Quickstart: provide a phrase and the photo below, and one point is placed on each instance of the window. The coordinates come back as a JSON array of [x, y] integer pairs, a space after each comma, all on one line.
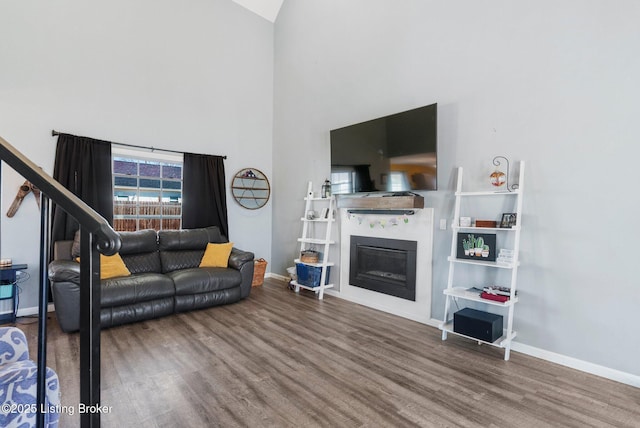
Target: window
[[342, 180], [147, 191]]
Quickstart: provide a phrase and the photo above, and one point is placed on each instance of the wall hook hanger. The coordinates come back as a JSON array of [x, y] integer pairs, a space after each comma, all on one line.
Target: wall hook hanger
[[23, 191]]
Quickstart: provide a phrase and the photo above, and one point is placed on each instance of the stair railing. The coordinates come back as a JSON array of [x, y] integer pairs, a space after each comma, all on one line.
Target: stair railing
[[96, 237]]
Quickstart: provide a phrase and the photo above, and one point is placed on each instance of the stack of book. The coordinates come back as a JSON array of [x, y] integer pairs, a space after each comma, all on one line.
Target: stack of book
[[494, 292], [505, 256]]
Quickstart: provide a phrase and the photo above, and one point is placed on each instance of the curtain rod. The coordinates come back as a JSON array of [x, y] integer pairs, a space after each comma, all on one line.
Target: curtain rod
[[55, 133]]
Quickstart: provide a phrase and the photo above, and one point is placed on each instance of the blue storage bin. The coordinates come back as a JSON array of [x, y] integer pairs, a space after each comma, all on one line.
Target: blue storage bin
[[6, 291], [310, 275]]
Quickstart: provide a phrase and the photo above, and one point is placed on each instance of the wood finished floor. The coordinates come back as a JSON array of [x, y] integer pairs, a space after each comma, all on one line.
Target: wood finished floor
[[278, 359]]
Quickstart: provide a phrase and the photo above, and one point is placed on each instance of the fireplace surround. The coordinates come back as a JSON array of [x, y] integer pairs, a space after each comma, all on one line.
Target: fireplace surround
[[417, 226]]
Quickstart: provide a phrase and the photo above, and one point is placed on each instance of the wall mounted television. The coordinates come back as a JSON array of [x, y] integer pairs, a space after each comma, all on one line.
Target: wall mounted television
[[395, 153]]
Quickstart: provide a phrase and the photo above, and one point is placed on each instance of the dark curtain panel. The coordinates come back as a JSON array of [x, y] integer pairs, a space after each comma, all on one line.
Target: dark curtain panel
[[82, 165], [204, 200]]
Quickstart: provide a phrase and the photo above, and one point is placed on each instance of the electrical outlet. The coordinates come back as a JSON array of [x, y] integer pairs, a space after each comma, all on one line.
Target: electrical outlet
[[443, 224]]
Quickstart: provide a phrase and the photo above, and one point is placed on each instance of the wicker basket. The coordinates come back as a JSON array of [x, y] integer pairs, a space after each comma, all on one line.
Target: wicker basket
[[309, 256], [259, 268]]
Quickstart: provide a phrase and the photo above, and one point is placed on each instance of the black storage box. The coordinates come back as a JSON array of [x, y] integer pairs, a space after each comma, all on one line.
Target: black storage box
[[478, 324]]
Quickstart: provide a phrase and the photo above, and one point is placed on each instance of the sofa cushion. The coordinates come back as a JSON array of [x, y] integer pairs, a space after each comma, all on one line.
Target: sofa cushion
[[139, 250], [183, 249], [124, 314], [62, 250], [203, 280], [191, 302], [178, 260], [75, 247], [140, 241], [135, 288], [189, 239]]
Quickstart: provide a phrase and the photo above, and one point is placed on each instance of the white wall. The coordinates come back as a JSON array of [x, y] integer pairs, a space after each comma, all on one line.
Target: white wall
[[551, 83], [195, 76]]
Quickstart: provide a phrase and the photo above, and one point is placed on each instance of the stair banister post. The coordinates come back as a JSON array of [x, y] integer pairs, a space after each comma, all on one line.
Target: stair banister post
[[42, 312], [89, 329]]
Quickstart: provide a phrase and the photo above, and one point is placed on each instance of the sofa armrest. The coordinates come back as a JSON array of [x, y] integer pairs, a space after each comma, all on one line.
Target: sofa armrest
[[19, 387], [243, 261], [64, 271], [13, 345], [238, 258]]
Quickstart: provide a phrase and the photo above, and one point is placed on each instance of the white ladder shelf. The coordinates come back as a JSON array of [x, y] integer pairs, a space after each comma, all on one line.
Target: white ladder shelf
[[456, 293], [309, 238]]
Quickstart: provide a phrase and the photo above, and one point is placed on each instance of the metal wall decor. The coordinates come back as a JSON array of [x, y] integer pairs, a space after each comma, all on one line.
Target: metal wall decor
[[499, 178], [250, 188], [23, 191]]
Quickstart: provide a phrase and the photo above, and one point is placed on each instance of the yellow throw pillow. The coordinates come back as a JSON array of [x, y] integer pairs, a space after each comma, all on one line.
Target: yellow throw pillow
[[112, 266], [216, 255]]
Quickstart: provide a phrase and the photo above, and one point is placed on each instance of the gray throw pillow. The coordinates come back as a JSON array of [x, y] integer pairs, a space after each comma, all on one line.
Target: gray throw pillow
[[75, 248]]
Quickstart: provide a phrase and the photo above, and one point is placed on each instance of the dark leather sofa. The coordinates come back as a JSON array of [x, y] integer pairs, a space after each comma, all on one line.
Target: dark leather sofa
[[165, 277]]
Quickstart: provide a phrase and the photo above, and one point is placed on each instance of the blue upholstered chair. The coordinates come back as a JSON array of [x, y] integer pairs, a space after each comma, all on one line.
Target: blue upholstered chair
[[18, 384]]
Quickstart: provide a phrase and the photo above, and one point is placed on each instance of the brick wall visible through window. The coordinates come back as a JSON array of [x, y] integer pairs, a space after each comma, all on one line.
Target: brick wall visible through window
[[147, 194]]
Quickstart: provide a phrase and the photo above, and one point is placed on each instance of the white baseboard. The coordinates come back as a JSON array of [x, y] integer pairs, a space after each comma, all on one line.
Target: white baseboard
[[277, 276], [574, 363], [25, 312]]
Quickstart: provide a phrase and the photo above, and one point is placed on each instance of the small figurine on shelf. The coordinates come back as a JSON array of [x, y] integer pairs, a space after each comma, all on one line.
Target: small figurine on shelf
[[326, 189], [498, 178]]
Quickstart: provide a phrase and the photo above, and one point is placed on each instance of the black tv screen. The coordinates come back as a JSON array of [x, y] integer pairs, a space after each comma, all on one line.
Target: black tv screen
[[395, 153]]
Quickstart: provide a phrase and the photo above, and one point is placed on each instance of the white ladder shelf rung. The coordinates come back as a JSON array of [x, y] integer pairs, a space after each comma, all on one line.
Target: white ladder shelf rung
[[315, 241]]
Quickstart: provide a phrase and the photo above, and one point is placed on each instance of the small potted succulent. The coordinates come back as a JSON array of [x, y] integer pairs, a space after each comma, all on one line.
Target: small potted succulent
[[485, 251], [466, 246], [479, 244]]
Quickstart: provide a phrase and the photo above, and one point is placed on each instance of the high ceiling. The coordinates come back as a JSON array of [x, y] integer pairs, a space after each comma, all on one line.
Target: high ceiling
[[268, 9]]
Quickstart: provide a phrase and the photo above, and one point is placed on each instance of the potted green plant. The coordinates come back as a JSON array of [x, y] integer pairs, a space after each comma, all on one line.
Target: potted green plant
[[485, 251], [478, 246]]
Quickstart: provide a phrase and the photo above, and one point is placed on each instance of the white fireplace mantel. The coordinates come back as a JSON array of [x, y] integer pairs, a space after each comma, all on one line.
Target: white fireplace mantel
[[416, 227]]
